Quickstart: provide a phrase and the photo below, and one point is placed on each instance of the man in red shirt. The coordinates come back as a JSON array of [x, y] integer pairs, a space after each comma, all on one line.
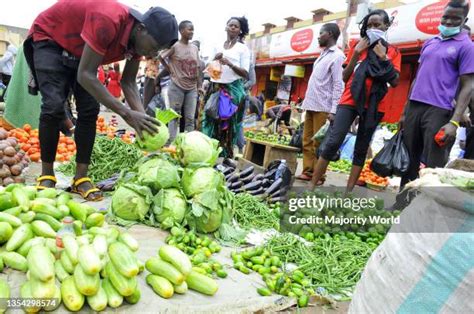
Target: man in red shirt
[[66, 45]]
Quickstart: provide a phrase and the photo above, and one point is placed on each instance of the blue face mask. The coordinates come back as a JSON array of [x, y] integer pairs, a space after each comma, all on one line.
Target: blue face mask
[[449, 31]]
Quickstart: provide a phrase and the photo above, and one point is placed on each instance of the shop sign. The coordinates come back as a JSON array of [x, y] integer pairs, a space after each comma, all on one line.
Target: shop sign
[[294, 70], [275, 74], [300, 41]]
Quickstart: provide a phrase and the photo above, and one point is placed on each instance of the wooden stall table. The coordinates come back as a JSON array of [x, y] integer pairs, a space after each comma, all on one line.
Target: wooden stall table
[[262, 153]]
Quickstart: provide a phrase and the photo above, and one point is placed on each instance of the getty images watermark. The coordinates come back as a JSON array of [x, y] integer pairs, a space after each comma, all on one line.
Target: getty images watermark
[[338, 211]]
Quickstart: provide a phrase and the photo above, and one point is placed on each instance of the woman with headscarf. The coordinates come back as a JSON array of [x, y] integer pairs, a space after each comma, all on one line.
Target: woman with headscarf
[[372, 64], [234, 56]]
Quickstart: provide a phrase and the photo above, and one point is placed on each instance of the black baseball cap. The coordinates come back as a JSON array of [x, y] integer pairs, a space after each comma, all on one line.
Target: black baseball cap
[[160, 24]]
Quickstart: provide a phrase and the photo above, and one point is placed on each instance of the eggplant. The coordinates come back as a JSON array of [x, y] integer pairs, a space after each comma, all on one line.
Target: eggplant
[[257, 192], [254, 185], [280, 192], [236, 184], [233, 178], [248, 179], [228, 171], [266, 183], [270, 174], [246, 172], [258, 177], [230, 162], [278, 199], [275, 185], [227, 176]]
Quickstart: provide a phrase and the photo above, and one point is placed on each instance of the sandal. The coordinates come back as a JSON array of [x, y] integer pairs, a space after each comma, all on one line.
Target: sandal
[[40, 187], [75, 189]]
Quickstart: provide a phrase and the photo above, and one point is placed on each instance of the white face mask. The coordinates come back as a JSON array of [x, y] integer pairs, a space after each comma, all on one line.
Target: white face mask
[[376, 34]]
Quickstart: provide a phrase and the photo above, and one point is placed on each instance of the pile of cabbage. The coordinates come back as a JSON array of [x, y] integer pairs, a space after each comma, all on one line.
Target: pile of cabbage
[[184, 190]]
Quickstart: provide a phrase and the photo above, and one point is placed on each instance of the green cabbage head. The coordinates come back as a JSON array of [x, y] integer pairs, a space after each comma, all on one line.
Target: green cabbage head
[[152, 143], [199, 180], [131, 202], [158, 173], [169, 207], [196, 148]]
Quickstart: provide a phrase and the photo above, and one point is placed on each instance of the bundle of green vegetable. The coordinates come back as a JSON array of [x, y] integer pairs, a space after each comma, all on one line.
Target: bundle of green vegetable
[[109, 156], [270, 138], [258, 259], [251, 212], [329, 262]]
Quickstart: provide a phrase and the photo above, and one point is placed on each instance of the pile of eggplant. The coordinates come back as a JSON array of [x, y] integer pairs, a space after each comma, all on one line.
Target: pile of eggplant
[[264, 186]]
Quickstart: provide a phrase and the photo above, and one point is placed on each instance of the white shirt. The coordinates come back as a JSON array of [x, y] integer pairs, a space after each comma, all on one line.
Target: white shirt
[[8, 60], [238, 55]]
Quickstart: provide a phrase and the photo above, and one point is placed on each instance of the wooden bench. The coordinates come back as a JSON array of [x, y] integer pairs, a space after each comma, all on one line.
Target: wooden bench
[[263, 153]]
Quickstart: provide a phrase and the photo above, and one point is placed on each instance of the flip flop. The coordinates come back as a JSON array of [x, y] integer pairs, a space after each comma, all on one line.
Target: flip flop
[[40, 187], [85, 195]]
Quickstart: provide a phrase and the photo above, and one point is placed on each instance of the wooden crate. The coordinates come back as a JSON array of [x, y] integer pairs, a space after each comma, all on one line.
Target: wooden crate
[[262, 153]]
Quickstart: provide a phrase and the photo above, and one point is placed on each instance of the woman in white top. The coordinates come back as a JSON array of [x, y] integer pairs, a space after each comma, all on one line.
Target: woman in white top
[[235, 59]]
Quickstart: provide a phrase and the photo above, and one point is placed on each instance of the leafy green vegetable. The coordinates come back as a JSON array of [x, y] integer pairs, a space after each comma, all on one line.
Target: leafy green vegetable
[[158, 173], [131, 202], [169, 207], [199, 180], [196, 148]]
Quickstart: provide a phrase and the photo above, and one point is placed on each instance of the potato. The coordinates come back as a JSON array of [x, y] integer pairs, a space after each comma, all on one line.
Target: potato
[[9, 151], [8, 181], [15, 170]]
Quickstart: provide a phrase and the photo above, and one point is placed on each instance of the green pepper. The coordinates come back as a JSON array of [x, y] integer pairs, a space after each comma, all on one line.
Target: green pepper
[[264, 270], [237, 258], [303, 301], [274, 269], [249, 264], [268, 262], [238, 265], [206, 241], [221, 273], [297, 291], [244, 270], [198, 258], [258, 260], [256, 267], [270, 284], [248, 254], [275, 260], [264, 292]]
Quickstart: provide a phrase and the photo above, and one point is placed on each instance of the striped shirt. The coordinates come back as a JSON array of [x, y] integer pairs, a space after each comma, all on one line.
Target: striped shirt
[[325, 85]]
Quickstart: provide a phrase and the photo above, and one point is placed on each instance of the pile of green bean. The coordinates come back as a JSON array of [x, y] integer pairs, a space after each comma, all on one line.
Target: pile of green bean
[[109, 156], [251, 212], [331, 263]]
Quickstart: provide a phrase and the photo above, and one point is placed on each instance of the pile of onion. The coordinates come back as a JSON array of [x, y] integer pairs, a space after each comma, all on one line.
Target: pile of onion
[[12, 160]]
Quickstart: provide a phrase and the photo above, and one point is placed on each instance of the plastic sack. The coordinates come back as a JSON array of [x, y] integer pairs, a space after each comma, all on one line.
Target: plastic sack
[[319, 136], [393, 159], [297, 138], [214, 69], [211, 108]]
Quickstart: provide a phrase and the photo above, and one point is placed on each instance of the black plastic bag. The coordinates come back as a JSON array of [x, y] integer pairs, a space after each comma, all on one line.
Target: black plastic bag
[[297, 138], [211, 108], [323, 144], [157, 102], [393, 159]]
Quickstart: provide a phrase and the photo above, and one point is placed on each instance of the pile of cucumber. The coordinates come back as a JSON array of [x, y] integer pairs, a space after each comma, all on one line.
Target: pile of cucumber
[[90, 263], [171, 272]]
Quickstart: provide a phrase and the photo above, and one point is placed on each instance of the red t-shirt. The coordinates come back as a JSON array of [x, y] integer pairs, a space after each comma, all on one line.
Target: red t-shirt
[[346, 99], [104, 25]]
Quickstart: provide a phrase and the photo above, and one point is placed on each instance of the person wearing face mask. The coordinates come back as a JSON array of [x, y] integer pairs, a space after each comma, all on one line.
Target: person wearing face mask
[[433, 112], [65, 46], [372, 64]]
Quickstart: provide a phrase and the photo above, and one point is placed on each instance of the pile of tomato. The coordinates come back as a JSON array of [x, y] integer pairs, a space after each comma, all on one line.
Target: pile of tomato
[[28, 139], [110, 129], [368, 176]]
